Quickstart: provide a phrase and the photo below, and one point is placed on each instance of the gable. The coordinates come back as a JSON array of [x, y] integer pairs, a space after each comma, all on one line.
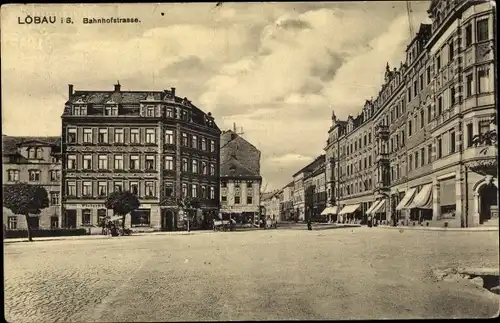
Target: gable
[[233, 168]]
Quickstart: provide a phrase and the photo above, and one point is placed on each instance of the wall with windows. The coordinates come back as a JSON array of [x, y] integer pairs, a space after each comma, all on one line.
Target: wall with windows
[[240, 195]]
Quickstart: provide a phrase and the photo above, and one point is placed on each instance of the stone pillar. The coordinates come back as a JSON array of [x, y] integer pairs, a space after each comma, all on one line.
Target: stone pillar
[[458, 198], [79, 219], [475, 210], [436, 205]]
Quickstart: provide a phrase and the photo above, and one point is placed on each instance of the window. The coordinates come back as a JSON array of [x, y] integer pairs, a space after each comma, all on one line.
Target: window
[[468, 35], [87, 135], [415, 88], [185, 139], [54, 222], [102, 137], [34, 175], [134, 162], [203, 144], [429, 114], [102, 188], [410, 162], [422, 118], [87, 188], [118, 186], [249, 184], [31, 153], [452, 142], [87, 161], [439, 148], [470, 135], [212, 146], [71, 187], [237, 200], [194, 142], [212, 192], [71, 135], [119, 136], [13, 175], [102, 162], [134, 136], [482, 30], [422, 156], [452, 95], [421, 81], [169, 163], [12, 222], [150, 188], [184, 164], [223, 184], [409, 128], [203, 191], [249, 199], [237, 184], [204, 168], [150, 111], [212, 169], [483, 81], [468, 84], [118, 162], [134, 188], [86, 217], [428, 74], [416, 160], [169, 137], [440, 105], [409, 94], [429, 154], [451, 51], [438, 62], [101, 215], [195, 166], [169, 190], [169, 113], [54, 198], [194, 190], [484, 127], [223, 198], [150, 136], [150, 162], [111, 110], [184, 189], [369, 137], [140, 218]]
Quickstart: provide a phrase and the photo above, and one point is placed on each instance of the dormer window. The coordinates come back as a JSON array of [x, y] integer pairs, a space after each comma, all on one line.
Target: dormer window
[[111, 110], [31, 153], [80, 110], [150, 111], [169, 113]]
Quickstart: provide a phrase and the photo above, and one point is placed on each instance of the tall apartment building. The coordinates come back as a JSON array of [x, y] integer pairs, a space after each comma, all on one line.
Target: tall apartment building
[[286, 202], [409, 155], [33, 160], [315, 193], [152, 143], [240, 178], [300, 181]]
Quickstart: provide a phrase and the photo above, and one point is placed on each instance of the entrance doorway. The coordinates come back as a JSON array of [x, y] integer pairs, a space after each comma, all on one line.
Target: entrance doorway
[[488, 209], [69, 219], [167, 220]]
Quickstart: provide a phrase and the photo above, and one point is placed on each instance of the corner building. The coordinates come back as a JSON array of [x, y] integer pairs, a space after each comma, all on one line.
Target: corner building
[[152, 143], [422, 167]]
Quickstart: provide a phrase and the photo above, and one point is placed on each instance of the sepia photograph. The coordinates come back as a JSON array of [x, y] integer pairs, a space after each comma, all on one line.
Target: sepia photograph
[[249, 161]]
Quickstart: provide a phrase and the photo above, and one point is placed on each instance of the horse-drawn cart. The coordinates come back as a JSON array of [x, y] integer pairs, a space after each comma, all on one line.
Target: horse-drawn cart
[[224, 225]]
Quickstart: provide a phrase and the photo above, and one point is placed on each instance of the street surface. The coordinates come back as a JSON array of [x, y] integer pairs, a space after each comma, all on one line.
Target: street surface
[[349, 273]]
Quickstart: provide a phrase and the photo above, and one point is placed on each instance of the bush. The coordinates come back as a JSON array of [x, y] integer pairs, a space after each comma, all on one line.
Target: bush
[[39, 233]]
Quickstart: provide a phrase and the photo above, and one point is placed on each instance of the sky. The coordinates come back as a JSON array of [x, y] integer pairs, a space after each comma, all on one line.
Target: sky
[[277, 70]]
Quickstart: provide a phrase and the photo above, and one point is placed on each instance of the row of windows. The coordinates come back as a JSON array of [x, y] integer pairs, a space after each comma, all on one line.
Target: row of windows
[[354, 188], [145, 111], [249, 184], [353, 168], [144, 189], [135, 162], [137, 136], [237, 199], [35, 153], [33, 175]]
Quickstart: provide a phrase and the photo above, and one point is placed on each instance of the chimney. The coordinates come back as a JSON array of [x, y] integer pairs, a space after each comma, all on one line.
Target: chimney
[[117, 86], [172, 90], [70, 90]]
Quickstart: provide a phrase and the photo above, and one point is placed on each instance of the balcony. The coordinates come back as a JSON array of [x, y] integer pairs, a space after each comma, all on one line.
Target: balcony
[[382, 131]]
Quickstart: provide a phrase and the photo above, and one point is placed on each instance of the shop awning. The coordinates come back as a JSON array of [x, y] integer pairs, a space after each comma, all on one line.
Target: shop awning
[[370, 209], [348, 209], [330, 210], [423, 200], [380, 208], [406, 199]]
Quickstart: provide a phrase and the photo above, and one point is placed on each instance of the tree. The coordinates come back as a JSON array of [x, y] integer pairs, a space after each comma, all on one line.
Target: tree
[[25, 199], [122, 203]]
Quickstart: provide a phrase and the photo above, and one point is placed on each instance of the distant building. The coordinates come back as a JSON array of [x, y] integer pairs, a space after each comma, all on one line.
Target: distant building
[[240, 179], [286, 208], [37, 161], [299, 180], [153, 143], [271, 203], [315, 193]]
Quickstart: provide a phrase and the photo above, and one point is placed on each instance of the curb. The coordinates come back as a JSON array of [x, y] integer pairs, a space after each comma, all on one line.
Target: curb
[[480, 229]]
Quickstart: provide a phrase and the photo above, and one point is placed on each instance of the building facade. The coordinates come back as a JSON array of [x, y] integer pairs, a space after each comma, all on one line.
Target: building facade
[[286, 207], [152, 143], [37, 161], [271, 204], [240, 178], [301, 180], [410, 157], [315, 193]]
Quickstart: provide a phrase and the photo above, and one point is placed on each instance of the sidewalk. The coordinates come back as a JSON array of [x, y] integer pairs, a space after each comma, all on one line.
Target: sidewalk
[[473, 229]]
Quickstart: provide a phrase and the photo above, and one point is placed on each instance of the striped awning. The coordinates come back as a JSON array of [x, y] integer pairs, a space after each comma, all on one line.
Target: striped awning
[[380, 208], [406, 199], [330, 210], [370, 209], [423, 200], [348, 209]]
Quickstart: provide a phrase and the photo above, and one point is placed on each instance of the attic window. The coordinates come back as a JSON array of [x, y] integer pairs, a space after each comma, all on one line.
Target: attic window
[[80, 110]]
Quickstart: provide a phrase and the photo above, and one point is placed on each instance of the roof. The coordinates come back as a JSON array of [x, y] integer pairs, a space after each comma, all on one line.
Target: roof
[[234, 136], [10, 144], [130, 97], [269, 195], [233, 168], [313, 165]]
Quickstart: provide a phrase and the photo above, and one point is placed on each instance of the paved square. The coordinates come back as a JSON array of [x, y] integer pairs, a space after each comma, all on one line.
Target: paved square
[[261, 275]]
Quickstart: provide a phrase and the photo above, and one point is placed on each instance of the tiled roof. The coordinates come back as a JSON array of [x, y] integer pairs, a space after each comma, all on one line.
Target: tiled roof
[[233, 168], [313, 165], [11, 143], [131, 97]]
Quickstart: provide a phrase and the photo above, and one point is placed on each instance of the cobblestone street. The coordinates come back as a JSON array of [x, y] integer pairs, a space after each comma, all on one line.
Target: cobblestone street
[[284, 274]]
